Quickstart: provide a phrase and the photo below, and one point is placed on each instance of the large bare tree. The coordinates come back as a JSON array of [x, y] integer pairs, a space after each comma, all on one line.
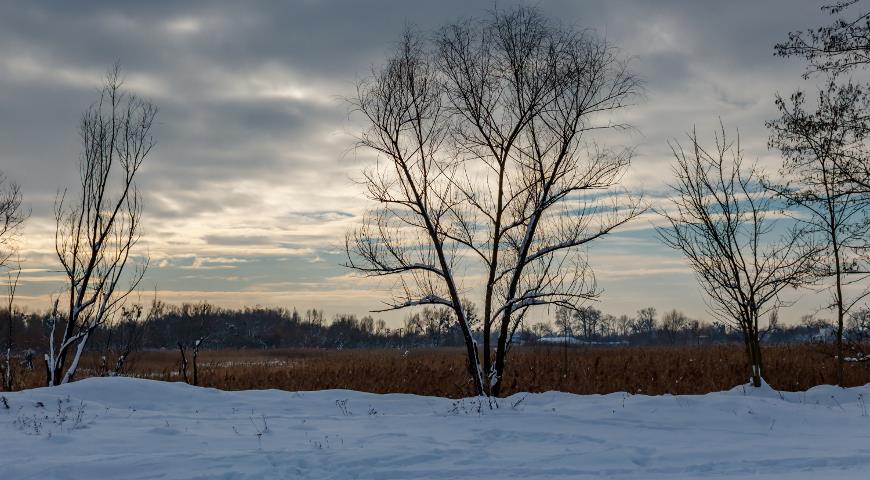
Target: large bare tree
[[719, 218], [98, 229], [488, 168], [813, 141]]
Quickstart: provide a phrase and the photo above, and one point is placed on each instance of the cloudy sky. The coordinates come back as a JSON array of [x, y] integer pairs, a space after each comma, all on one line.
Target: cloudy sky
[[250, 189]]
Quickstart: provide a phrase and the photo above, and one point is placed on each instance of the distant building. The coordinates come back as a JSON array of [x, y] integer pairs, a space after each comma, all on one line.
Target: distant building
[[559, 339], [569, 340]]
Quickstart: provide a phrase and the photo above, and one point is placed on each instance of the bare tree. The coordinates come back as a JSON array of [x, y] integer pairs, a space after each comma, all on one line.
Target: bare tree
[[859, 333], [719, 219], [542, 329], [588, 320], [826, 155], [489, 160], [98, 230], [125, 335], [12, 215], [645, 321], [564, 321], [623, 325], [813, 144], [198, 329], [13, 274], [673, 323]]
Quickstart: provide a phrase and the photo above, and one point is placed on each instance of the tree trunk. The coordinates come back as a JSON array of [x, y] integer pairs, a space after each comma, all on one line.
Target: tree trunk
[[749, 353], [183, 363], [500, 357], [195, 369], [7, 378], [755, 361], [74, 365], [473, 365], [840, 307], [119, 364], [753, 351]]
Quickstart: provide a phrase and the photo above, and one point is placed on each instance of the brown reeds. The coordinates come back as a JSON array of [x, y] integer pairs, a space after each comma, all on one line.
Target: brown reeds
[[441, 371]]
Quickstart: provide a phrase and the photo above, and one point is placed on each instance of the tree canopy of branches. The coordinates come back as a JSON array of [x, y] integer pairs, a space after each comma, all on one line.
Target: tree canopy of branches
[[487, 164], [645, 321], [12, 215], [98, 229], [719, 219], [835, 49]]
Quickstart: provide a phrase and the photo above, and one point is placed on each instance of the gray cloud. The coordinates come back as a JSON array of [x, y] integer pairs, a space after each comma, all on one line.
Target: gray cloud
[[236, 239], [254, 145]]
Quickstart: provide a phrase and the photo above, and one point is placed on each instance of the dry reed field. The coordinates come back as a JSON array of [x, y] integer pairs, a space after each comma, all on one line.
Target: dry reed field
[[441, 371]]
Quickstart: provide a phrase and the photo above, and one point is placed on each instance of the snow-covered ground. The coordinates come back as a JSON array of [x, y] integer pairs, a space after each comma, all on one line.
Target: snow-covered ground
[[113, 428]]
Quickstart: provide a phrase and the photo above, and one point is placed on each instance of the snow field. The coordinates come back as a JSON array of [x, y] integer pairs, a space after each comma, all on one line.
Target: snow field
[[113, 428]]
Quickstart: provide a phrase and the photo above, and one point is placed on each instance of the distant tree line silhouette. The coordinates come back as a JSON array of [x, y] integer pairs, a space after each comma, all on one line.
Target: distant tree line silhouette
[[164, 326]]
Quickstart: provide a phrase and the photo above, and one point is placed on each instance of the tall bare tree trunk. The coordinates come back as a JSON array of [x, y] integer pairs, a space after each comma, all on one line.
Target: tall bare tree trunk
[[838, 296]]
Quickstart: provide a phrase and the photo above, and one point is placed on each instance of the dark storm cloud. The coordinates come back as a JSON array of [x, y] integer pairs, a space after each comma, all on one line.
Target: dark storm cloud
[[253, 132]]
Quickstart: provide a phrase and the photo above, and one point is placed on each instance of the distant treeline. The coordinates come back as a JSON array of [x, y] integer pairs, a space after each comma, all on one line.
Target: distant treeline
[[206, 326]]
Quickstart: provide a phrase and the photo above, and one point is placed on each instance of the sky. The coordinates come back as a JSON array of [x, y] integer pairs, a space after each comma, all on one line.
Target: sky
[[250, 189]]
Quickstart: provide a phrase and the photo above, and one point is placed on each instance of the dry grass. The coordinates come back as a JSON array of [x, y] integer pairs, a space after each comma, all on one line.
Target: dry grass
[[651, 370]]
